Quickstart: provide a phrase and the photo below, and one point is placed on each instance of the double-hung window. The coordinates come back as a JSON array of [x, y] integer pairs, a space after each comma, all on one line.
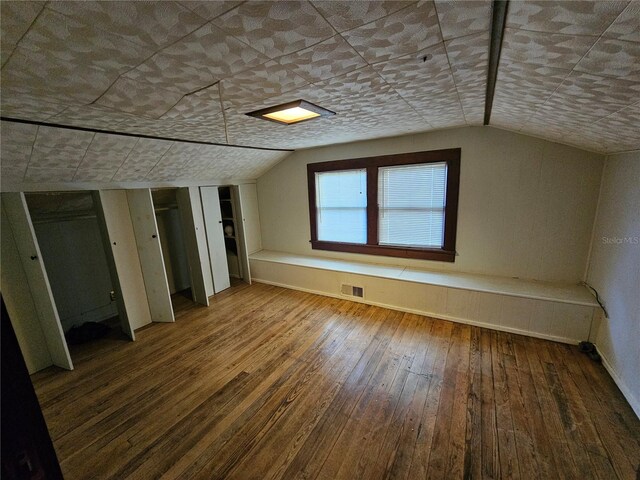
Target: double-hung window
[[401, 205]]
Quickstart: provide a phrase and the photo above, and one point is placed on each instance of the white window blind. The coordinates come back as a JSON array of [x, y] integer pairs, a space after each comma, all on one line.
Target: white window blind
[[341, 206], [411, 205]]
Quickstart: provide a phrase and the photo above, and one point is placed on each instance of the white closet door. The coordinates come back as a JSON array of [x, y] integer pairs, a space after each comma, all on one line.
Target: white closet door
[[243, 254], [122, 253], [17, 214], [248, 194], [20, 305], [215, 238], [195, 238], [150, 252]]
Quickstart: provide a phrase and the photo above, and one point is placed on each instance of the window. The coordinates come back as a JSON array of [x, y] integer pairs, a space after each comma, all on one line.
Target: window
[[411, 201], [395, 205], [341, 203]]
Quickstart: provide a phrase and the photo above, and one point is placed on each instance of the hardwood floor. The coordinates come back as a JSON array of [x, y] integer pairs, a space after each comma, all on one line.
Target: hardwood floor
[[275, 383]]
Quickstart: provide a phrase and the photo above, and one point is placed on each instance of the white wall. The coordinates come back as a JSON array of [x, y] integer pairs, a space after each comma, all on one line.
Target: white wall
[[526, 205], [76, 264], [614, 270]]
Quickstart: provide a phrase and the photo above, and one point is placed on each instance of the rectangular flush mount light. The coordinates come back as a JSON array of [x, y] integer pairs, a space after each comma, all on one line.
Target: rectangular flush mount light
[[292, 112]]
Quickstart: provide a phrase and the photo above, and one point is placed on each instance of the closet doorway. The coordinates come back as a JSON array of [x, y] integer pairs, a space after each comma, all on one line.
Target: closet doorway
[[173, 244], [73, 251], [225, 236]]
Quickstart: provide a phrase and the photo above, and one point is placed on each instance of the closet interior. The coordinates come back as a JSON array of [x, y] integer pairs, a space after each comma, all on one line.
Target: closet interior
[[228, 212], [172, 242], [72, 246]]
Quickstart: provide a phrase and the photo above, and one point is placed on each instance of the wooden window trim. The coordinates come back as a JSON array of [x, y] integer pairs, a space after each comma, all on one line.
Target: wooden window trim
[[372, 164]]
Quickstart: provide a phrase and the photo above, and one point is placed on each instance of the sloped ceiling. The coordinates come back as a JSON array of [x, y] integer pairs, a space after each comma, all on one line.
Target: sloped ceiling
[[190, 70]]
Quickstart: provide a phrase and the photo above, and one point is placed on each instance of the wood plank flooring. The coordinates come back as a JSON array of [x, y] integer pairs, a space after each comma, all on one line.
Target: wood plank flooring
[[272, 383]]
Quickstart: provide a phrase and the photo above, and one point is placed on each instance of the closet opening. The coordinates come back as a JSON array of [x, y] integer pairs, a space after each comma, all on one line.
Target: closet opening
[[173, 244], [225, 236], [73, 252], [228, 212]]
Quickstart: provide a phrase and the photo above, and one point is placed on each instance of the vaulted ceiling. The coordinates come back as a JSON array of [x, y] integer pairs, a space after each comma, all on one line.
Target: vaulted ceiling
[[568, 72]]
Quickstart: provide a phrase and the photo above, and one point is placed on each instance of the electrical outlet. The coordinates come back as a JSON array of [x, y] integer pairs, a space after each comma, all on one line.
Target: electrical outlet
[[112, 295]]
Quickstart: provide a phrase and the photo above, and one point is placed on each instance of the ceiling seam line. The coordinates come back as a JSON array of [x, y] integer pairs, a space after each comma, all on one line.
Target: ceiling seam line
[[127, 157], [224, 114], [498, 24], [276, 59], [325, 19], [217, 16], [413, 4], [368, 64], [33, 146], [24, 34], [161, 48], [124, 160], [446, 52], [83, 157], [126, 134]]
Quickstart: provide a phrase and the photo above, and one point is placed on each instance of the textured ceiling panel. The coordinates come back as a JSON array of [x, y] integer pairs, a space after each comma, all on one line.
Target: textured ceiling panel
[[145, 23], [173, 73], [276, 28], [48, 175], [619, 129], [436, 89], [16, 17], [568, 72], [83, 174], [51, 137], [612, 58], [406, 31], [79, 42], [32, 155], [208, 9], [347, 14], [91, 117], [249, 87], [571, 17], [53, 80], [198, 60], [107, 151], [540, 48], [625, 27], [60, 157], [20, 134], [324, 60], [139, 98], [201, 106], [469, 59], [28, 107], [463, 17]]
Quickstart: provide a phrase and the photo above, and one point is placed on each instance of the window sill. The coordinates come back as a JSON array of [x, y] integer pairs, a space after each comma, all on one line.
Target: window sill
[[386, 251]]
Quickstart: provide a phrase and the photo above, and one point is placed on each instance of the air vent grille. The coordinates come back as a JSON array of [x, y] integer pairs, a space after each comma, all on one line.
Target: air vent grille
[[352, 291]]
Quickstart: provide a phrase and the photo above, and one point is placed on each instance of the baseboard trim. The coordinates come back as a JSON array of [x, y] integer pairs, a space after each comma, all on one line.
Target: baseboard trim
[[424, 313], [634, 402]]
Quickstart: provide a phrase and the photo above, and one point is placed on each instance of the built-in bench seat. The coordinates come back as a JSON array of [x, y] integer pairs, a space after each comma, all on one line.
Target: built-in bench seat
[[560, 312]]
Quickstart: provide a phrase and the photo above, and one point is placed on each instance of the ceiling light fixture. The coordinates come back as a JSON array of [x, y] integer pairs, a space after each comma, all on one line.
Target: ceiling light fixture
[[292, 112]]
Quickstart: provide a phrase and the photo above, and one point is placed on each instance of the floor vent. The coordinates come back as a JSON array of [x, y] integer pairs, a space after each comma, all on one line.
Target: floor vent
[[352, 291]]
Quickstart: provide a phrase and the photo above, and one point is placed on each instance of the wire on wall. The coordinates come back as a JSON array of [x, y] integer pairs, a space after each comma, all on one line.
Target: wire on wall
[[595, 292]]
